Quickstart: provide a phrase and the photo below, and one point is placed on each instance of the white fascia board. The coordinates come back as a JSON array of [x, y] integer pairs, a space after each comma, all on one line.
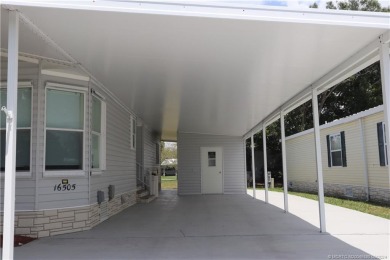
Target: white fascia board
[[240, 12], [64, 74], [21, 57], [340, 121]]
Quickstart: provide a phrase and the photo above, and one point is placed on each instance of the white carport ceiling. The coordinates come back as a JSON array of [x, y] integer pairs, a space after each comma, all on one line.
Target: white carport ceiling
[[195, 74]]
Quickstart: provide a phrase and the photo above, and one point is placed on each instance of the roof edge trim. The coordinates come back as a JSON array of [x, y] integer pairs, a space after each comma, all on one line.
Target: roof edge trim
[[309, 16]]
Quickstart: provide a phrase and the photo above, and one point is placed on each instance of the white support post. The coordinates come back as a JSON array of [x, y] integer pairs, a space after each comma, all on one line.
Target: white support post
[[10, 146], [265, 163], [320, 179], [253, 166], [285, 188], [385, 78]]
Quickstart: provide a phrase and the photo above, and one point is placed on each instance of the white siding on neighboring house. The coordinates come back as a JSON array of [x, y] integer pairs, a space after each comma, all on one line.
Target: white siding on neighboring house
[[189, 162]]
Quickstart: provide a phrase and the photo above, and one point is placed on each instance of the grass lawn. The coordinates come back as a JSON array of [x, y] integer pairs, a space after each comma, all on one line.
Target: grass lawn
[[169, 182], [366, 207]]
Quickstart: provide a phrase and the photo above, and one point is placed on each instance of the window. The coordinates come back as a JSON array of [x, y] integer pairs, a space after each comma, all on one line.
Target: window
[[23, 132], [98, 134], [212, 159], [336, 150], [133, 130], [382, 144], [64, 129]]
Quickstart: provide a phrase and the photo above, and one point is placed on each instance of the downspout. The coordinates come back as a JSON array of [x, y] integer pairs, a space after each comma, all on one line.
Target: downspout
[[364, 157]]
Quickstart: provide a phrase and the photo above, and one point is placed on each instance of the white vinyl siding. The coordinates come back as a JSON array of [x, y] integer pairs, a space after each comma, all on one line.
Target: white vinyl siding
[[189, 168]]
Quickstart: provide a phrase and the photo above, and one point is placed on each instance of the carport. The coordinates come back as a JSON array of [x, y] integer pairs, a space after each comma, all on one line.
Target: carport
[[216, 69]]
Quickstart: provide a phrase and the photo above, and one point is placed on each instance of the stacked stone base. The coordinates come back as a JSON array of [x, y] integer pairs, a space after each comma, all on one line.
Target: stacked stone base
[[378, 195], [61, 221]]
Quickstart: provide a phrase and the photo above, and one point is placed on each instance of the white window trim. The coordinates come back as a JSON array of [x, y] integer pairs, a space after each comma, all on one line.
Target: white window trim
[[64, 173], [385, 144], [102, 135], [133, 133], [335, 150], [23, 84]]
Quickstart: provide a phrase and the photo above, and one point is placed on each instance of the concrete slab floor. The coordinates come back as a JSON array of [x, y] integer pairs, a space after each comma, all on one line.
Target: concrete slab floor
[[196, 227]]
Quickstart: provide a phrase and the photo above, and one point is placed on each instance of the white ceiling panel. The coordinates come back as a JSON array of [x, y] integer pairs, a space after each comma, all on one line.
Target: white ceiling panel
[[196, 74]]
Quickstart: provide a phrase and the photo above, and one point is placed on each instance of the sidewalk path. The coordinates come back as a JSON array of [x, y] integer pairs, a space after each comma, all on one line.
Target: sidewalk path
[[364, 231]]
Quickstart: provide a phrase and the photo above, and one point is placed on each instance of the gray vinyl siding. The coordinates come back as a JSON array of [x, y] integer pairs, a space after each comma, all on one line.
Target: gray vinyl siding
[[139, 145], [120, 158], [150, 140], [47, 197], [24, 187], [189, 164]]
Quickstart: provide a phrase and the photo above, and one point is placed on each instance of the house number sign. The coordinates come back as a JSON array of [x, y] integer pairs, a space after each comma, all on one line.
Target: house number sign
[[64, 186]]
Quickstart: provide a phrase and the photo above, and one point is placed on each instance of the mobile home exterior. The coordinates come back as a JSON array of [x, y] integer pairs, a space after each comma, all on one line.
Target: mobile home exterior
[[128, 74], [362, 173]]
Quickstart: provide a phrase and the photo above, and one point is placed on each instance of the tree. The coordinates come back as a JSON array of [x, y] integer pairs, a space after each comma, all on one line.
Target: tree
[[168, 151], [357, 93]]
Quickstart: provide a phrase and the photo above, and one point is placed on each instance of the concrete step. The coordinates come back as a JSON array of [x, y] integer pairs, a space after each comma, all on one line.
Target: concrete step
[[142, 193], [146, 199]]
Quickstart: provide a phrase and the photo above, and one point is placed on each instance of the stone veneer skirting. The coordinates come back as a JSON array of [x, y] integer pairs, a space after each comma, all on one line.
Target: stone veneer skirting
[[45, 223], [380, 195]]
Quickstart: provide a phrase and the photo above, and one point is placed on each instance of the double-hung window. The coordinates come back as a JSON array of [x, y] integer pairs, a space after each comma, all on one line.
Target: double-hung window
[[98, 134], [382, 144], [64, 137], [23, 132], [336, 150]]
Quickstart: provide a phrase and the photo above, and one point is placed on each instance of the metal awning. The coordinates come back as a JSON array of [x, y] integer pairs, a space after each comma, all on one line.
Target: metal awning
[[195, 67]]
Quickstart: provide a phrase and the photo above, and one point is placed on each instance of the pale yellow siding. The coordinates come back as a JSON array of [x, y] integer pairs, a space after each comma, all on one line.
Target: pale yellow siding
[[353, 174], [301, 165], [378, 175]]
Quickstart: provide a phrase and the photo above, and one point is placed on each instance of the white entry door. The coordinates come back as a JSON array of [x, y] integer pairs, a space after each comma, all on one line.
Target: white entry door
[[211, 167]]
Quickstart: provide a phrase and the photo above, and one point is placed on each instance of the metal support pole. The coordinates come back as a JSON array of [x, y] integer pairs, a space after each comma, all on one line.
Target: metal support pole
[[320, 179], [265, 163], [10, 145], [385, 78], [285, 188], [253, 167]]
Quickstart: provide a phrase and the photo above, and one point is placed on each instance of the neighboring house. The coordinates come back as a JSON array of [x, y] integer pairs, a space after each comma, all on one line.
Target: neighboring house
[[354, 158]]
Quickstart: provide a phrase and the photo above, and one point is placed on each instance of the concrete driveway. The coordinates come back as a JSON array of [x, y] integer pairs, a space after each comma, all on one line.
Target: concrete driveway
[[196, 227]]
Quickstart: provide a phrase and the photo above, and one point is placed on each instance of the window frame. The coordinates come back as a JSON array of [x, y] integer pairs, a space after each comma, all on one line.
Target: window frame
[[384, 149], [133, 132], [68, 88], [23, 84], [102, 135], [335, 150], [385, 144]]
